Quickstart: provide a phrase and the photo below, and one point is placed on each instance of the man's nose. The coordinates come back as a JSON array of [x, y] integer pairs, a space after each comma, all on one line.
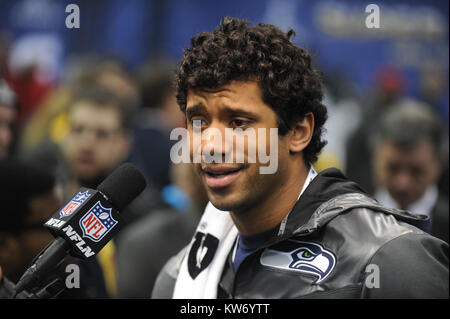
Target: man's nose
[[403, 181], [214, 141]]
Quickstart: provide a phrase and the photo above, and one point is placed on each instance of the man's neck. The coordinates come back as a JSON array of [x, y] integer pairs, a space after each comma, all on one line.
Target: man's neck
[[274, 208]]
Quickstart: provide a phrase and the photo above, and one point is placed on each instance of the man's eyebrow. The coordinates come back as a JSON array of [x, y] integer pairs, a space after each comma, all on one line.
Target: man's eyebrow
[[200, 108], [239, 112], [195, 109]]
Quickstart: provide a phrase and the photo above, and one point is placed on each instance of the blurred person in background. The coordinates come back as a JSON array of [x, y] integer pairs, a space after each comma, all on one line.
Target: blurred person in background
[[98, 139], [8, 113], [31, 71], [46, 129], [433, 89], [159, 105], [144, 247], [408, 161], [344, 115], [29, 195], [111, 74], [389, 87], [155, 119]]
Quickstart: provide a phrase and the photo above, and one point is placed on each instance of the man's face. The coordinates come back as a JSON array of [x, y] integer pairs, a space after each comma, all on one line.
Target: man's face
[[235, 186], [406, 172], [7, 117], [96, 143]]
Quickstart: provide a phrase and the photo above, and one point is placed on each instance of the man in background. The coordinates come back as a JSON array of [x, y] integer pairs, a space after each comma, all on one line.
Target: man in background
[[154, 121], [29, 195], [98, 141], [408, 162]]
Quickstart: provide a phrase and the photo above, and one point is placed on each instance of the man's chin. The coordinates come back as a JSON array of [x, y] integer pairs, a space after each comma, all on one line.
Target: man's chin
[[222, 206], [227, 202], [403, 202]]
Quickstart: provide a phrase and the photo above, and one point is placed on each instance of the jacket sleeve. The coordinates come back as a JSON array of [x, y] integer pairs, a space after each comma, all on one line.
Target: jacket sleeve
[[410, 266], [7, 288], [167, 277]]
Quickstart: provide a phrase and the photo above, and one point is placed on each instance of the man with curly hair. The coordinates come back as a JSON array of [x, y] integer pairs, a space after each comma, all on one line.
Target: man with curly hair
[[292, 233]]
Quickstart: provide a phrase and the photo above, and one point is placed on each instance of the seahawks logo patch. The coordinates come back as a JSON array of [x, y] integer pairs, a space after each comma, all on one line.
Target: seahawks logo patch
[[300, 256]]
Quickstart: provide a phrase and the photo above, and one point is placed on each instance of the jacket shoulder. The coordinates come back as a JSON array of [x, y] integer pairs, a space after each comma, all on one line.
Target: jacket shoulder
[[359, 235], [412, 265], [165, 282]]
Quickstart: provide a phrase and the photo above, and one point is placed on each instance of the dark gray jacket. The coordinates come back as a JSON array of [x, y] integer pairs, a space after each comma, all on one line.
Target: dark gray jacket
[[337, 243]]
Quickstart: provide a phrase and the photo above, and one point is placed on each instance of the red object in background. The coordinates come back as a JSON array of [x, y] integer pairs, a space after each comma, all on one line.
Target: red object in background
[[390, 79], [30, 92]]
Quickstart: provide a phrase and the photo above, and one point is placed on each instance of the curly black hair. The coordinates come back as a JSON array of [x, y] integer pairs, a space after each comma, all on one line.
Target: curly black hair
[[237, 51]]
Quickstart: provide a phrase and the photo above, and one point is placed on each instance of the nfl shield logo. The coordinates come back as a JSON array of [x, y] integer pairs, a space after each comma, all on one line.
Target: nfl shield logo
[[73, 204], [97, 222]]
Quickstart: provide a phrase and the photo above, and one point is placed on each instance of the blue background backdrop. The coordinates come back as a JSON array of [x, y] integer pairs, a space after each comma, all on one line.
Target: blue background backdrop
[[413, 34]]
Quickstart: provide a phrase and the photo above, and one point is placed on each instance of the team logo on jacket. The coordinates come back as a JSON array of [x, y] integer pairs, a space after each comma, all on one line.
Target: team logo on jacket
[[300, 256], [97, 222], [73, 204]]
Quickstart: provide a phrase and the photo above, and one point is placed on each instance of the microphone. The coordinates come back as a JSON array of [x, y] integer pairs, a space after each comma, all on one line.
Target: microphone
[[86, 223]]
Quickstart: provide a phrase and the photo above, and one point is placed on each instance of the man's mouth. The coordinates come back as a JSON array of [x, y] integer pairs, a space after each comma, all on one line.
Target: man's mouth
[[220, 176], [85, 160]]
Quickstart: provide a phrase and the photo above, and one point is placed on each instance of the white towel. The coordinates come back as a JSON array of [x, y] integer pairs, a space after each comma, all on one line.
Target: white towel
[[214, 223]]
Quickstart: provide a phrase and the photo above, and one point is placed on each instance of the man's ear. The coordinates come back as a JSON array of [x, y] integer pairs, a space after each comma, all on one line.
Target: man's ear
[[301, 133]]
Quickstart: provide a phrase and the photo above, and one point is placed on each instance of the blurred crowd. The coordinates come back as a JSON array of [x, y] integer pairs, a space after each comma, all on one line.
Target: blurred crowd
[[75, 133], [58, 137]]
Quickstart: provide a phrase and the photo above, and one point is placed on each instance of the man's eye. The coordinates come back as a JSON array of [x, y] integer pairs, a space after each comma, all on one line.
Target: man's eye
[[239, 123], [393, 169], [102, 134], [76, 129], [417, 172], [198, 123]]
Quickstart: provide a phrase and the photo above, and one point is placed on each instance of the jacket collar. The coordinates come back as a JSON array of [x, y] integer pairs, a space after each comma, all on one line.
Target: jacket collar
[[328, 195]]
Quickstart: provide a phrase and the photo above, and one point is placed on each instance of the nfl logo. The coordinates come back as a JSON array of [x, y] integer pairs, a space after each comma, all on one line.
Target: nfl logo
[[97, 222], [73, 204]]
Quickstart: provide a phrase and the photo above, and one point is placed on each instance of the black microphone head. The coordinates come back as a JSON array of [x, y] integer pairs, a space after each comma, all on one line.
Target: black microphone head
[[123, 185]]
